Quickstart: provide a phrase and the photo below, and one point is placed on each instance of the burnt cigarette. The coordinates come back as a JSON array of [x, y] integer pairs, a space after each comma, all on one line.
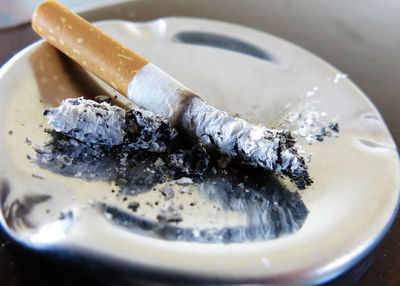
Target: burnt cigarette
[[101, 123], [154, 90]]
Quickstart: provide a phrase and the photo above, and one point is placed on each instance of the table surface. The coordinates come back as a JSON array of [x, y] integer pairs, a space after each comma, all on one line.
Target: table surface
[[379, 78]]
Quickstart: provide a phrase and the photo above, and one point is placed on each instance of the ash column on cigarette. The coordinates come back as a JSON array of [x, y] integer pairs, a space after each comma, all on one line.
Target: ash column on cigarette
[[273, 150], [101, 123], [255, 145]]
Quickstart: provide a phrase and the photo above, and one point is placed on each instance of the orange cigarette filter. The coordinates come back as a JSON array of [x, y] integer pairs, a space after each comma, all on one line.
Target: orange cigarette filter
[[87, 45]]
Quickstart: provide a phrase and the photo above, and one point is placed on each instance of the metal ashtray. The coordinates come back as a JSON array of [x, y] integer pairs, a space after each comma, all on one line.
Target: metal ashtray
[[231, 228]]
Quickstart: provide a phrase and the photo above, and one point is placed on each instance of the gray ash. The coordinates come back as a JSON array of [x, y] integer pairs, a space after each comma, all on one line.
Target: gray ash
[[132, 170], [286, 161], [324, 132], [184, 181], [167, 192], [27, 141], [169, 214], [147, 131], [256, 145], [70, 157], [88, 121], [193, 161], [101, 123], [334, 126], [308, 123], [133, 206]]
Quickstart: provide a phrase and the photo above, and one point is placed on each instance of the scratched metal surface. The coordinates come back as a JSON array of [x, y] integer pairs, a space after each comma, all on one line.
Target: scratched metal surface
[[356, 173]]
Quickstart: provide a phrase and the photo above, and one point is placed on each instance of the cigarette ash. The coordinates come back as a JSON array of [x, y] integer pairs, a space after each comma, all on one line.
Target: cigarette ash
[[310, 125], [255, 145], [175, 161], [133, 171], [273, 150], [167, 192], [147, 131], [308, 122], [133, 206], [101, 123], [169, 214], [88, 121]]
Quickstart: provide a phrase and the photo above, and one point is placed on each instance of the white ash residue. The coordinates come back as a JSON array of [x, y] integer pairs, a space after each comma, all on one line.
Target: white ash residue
[[169, 214], [186, 191], [101, 123], [312, 92], [184, 181], [310, 125], [37, 175], [308, 122], [88, 121], [167, 192], [159, 162], [252, 144], [28, 141], [339, 77]]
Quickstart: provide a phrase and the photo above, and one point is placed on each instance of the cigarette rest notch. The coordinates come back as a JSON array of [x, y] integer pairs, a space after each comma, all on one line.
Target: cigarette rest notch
[[222, 42]]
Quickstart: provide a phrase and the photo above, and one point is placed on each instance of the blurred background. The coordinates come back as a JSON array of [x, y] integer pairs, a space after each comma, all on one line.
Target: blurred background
[[15, 12]]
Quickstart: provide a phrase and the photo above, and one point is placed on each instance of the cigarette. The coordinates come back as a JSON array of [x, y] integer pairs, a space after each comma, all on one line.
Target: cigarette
[[153, 89]]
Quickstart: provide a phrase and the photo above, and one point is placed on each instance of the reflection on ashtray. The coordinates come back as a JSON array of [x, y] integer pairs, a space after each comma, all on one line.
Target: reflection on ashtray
[[270, 209]]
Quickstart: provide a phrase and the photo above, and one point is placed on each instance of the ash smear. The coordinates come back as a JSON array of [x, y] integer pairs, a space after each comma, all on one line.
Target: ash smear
[[270, 208]]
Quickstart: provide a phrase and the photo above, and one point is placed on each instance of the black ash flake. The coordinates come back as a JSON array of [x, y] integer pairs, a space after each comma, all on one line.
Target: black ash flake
[[133, 206]]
